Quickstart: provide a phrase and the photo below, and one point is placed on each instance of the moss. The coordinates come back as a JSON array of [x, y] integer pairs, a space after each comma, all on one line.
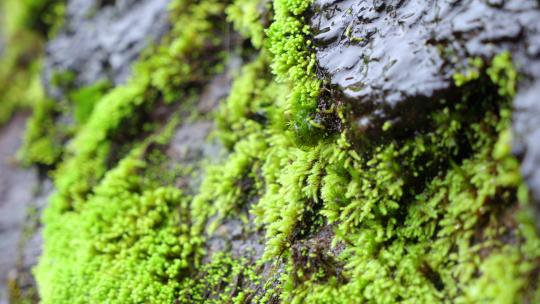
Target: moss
[[131, 243], [91, 245], [64, 79], [42, 143], [421, 219], [85, 99], [46, 131], [166, 73], [246, 16], [294, 64], [43, 16], [19, 74], [433, 217], [23, 30], [218, 280], [472, 73], [503, 73]]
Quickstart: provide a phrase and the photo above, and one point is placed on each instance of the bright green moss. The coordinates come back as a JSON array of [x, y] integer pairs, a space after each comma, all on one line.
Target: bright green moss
[[420, 219], [246, 17], [42, 143], [294, 64], [472, 73], [216, 281], [129, 243], [164, 73], [503, 73], [436, 248], [112, 233], [430, 218], [24, 25], [85, 99], [45, 133]]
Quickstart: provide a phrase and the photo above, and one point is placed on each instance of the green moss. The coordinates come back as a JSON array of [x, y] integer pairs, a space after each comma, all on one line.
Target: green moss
[[42, 143], [43, 16], [127, 244], [85, 99], [45, 133], [166, 73], [503, 73], [24, 26], [216, 281], [472, 73], [420, 219], [94, 251], [247, 19], [294, 64], [64, 79], [440, 216], [19, 74]]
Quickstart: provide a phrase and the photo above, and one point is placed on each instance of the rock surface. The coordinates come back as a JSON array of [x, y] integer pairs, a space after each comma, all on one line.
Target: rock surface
[[102, 38], [16, 196]]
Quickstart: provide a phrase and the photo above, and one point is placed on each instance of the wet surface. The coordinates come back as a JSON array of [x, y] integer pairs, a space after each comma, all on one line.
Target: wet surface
[[394, 60], [101, 39]]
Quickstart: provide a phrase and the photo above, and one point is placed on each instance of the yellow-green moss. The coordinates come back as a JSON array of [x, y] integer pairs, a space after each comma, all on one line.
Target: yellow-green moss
[[294, 64], [24, 27], [441, 216], [421, 220], [128, 243]]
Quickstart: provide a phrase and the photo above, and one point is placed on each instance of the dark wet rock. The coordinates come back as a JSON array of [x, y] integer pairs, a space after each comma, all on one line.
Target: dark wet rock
[[101, 39], [394, 60]]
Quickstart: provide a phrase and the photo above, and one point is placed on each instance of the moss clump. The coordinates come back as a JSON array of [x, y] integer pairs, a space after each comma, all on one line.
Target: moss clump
[[43, 16], [246, 16], [152, 246], [294, 64], [167, 74], [24, 29], [129, 243], [85, 99], [42, 142], [49, 127]]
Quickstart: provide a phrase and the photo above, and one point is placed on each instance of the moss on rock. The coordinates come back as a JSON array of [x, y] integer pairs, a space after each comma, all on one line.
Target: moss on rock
[[436, 215]]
